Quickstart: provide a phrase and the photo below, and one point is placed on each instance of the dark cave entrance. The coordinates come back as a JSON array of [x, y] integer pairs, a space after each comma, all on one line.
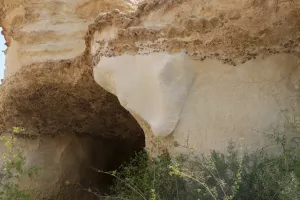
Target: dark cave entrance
[[112, 141], [107, 154], [60, 102]]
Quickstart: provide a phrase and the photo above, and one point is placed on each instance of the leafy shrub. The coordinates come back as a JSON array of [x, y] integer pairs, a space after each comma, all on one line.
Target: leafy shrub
[[272, 177], [234, 175], [13, 170], [146, 178]]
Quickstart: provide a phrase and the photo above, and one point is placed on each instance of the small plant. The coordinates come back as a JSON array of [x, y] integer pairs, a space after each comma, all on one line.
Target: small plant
[[17, 130], [234, 175], [13, 170], [147, 178], [215, 176]]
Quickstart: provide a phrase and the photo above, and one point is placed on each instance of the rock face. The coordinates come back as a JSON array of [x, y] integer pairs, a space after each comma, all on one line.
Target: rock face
[[198, 73], [202, 71], [207, 102], [72, 159], [40, 30], [154, 86], [70, 122]]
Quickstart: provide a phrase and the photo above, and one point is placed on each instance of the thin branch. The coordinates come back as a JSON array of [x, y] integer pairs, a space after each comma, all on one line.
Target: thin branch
[[215, 179], [127, 184], [203, 184], [100, 196]]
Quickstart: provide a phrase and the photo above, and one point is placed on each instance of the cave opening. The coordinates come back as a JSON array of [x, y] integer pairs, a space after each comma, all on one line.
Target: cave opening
[[106, 155], [108, 141], [71, 124]]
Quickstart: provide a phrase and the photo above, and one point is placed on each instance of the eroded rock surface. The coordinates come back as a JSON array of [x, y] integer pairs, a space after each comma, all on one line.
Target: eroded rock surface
[[41, 30], [70, 122], [68, 164], [192, 72], [242, 58], [153, 86]]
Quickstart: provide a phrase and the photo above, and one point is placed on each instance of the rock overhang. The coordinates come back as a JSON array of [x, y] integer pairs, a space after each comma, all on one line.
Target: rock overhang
[[232, 32], [197, 73], [153, 87]]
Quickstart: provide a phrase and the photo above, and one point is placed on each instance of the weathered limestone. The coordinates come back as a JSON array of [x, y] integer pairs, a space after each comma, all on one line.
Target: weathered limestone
[[237, 77], [213, 102], [151, 86], [65, 163], [70, 122], [192, 72], [42, 30], [248, 101]]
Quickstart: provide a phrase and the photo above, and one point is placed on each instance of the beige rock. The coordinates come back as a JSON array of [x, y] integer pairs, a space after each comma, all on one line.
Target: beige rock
[[243, 57], [192, 72], [67, 128], [220, 104], [246, 102], [152, 86], [67, 164], [43, 30]]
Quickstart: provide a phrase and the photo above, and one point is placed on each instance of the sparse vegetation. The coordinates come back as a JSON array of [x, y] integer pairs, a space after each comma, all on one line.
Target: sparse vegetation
[[235, 175], [13, 170]]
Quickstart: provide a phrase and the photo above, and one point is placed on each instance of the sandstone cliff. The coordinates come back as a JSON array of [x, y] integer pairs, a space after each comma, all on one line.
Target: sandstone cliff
[[202, 72]]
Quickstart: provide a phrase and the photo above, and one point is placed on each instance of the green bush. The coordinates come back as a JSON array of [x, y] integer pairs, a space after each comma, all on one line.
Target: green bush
[[13, 170], [234, 175], [272, 177], [145, 178]]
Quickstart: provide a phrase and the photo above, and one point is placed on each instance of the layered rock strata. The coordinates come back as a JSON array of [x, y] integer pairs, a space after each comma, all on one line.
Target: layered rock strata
[[188, 72], [203, 71]]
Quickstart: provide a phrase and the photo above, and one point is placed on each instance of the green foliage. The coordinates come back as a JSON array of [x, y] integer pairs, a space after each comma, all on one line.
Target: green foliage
[[13, 170], [234, 175], [272, 177], [149, 178], [216, 176]]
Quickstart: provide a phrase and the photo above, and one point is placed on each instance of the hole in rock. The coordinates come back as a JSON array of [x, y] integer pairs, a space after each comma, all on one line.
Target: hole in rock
[[104, 151], [106, 154], [71, 124], [103, 140], [77, 157]]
